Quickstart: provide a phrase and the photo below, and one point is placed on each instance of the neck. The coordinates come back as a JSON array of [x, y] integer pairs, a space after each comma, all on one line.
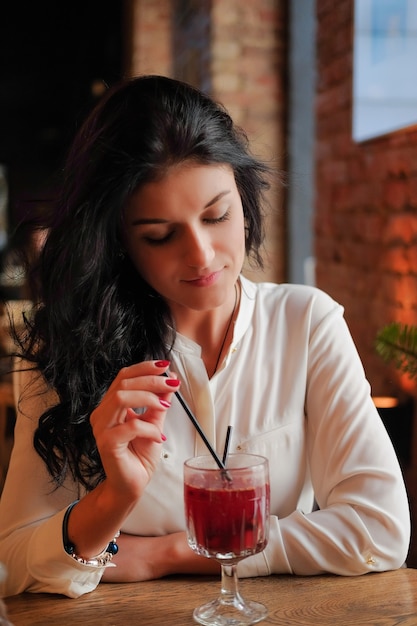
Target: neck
[[227, 338], [213, 330]]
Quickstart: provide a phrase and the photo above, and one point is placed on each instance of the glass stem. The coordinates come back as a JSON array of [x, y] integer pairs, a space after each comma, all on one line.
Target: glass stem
[[229, 592]]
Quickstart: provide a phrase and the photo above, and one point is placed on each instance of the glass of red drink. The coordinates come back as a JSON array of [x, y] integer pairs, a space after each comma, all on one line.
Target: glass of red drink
[[227, 519]]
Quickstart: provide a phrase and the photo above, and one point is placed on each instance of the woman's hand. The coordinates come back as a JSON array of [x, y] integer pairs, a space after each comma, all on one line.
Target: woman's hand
[[129, 442], [146, 558]]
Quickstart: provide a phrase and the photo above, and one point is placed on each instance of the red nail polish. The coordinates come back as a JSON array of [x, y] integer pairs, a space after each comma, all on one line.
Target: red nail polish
[[164, 403], [162, 363], [172, 382], [163, 437]]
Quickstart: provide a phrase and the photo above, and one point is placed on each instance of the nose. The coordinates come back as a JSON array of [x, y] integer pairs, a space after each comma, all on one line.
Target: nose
[[198, 249]]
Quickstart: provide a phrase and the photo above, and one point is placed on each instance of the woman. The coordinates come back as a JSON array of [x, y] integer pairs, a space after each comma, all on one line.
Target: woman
[[140, 276]]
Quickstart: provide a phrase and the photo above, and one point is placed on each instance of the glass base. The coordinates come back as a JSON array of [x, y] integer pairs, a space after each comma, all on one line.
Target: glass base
[[238, 613]]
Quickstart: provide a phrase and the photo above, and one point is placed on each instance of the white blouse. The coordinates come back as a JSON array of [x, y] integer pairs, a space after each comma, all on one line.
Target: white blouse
[[294, 390]]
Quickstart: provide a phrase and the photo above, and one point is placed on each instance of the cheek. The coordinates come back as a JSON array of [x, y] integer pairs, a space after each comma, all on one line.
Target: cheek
[[153, 265], [137, 258], [145, 265]]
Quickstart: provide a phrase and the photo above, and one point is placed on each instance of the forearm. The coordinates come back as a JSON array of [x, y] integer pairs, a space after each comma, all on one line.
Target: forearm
[[342, 540], [146, 558], [96, 519]]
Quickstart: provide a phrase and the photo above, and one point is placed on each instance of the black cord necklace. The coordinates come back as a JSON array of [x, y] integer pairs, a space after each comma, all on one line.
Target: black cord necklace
[[226, 333]]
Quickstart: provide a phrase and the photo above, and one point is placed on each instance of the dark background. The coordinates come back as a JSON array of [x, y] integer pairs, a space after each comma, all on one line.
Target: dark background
[[55, 57]]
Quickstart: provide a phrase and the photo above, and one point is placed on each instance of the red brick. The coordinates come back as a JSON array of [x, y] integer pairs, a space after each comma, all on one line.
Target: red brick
[[401, 229]]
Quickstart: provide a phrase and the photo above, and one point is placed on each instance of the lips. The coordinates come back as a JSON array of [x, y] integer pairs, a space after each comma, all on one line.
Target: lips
[[203, 281]]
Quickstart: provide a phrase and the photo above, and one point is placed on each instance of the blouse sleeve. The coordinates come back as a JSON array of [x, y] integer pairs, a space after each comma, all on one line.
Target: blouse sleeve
[[32, 511], [362, 523]]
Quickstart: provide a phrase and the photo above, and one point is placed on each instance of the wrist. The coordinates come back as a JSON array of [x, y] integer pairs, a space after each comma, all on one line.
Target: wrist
[[90, 524], [103, 559]]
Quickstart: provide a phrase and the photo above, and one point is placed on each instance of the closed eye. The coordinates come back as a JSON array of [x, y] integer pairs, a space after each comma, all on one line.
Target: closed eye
[[218, 220], [158, 241]]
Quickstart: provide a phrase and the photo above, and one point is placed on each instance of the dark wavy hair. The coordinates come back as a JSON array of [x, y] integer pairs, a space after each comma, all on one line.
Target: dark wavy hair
[[93, 313]]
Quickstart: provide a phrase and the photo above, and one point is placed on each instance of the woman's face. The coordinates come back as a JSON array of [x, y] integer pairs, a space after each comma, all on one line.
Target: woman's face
[[185, 235]]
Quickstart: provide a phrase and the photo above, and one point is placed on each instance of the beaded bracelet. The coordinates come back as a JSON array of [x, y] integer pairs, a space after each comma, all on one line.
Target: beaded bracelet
[[101, 560]]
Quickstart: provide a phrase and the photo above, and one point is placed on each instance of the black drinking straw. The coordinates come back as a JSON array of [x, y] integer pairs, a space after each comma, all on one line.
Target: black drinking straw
[[226, 445], [198, 428]]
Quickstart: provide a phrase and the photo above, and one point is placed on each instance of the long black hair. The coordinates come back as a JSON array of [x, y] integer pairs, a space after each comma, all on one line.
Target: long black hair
[[93, 313]]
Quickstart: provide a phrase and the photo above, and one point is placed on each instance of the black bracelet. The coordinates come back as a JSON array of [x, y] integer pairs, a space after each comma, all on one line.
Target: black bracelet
[[101, 559], [68, 546]]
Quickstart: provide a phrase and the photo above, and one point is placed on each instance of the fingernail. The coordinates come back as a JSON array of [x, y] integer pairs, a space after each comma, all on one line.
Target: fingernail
[[163, 437], [165, 403], [162, 363], [172, 382]]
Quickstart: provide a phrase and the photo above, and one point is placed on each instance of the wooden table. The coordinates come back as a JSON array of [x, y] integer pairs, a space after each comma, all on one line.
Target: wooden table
[[386, 599]]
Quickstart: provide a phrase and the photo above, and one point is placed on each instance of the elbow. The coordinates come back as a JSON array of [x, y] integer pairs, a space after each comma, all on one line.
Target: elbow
[[389, 548]]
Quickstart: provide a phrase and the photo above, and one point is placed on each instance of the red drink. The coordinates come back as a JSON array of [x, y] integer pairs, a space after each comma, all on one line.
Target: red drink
[[229, 520]]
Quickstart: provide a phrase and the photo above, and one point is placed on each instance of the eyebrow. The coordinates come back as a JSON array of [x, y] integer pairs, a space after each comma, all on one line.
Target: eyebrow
[[158, 220]]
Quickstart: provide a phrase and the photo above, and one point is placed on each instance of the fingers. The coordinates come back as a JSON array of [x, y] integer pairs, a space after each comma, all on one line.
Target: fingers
[[156, 435], [128, 377], [138, 386], [135, 427], [129, 440], [146, 377]]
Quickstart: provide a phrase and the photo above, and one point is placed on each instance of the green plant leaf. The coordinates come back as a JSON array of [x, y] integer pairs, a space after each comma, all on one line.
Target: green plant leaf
[[397, 343]]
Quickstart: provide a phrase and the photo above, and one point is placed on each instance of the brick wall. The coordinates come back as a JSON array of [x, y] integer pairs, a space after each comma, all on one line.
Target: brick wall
[[244, 68], [249, 58], [366, 204], [148, 29]]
